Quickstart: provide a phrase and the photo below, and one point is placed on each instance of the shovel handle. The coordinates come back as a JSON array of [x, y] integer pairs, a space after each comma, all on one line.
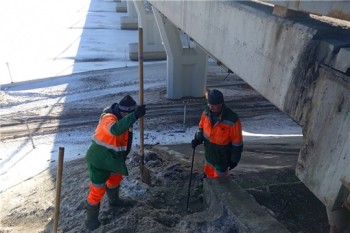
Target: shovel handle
[[189, 184], [145, 173], [140, 60]]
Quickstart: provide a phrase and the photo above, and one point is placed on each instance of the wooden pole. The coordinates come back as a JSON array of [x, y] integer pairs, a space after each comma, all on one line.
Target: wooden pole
[[30, 134], [58, 188], [185, 113], [140, 59], [8, 67], [145, 173]]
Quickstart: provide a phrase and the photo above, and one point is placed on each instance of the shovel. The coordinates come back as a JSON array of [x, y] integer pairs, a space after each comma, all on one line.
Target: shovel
[[145, 173]]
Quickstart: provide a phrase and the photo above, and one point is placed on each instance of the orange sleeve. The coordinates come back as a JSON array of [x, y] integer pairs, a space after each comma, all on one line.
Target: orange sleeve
[[236, 132]]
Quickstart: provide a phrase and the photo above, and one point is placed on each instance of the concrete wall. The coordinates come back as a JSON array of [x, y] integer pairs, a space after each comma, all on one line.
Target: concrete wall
[[281, 59], [322, 105]]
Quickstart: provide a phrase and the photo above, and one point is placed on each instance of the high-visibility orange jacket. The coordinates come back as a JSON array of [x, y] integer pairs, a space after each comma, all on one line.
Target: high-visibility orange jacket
[[111, 142], [223, 140]]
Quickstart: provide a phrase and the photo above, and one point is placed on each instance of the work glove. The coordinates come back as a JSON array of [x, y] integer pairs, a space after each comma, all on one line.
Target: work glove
[[231, 165], [140, 111], [195, 143]]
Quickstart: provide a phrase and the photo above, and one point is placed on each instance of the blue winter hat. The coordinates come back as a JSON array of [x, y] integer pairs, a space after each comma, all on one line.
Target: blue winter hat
[[215, 97], [127, 104]]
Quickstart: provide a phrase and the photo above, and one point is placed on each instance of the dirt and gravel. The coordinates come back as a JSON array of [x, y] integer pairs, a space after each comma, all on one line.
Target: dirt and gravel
[[29, 207], [266, 171]]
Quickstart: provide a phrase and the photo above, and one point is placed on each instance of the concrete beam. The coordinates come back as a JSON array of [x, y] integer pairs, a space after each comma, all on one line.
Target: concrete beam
[[335, 53], [264, 46], [335, 9]]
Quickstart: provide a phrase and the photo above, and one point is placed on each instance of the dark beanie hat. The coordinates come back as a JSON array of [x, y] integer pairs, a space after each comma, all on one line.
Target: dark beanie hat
[[127, 104], [215, 97]]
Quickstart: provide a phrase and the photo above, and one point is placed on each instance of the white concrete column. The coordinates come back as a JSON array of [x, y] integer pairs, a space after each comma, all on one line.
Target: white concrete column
[[153, 48], [186, 67], [121, 6], [129, 21]]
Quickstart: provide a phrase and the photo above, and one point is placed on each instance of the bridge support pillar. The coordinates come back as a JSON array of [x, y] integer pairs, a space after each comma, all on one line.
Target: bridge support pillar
[[186, 67], [130, 21], [121, 6], [153, 48]]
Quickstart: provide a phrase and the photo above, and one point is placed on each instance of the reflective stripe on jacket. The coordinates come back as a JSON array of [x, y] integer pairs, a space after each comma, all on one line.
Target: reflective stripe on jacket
[[111, 143], [223, 141], [104, 136]]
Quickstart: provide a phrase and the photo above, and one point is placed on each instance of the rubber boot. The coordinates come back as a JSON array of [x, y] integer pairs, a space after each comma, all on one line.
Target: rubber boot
[[92, 221], [113, 198]]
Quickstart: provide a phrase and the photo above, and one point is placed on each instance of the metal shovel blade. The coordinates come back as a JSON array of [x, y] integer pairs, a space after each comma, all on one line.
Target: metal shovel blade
[[145, 174]]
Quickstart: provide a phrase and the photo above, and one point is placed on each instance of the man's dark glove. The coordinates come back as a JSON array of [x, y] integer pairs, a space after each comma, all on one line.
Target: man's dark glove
[[140, 111], [232, 165], [195, 143]]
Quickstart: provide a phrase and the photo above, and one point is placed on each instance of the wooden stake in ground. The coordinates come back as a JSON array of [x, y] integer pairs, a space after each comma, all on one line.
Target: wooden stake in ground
[[58, 188], [29, 133], [189, 184], [145, 173]]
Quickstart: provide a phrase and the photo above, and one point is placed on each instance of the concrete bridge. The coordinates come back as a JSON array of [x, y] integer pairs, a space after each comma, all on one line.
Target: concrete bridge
[[298, 61]]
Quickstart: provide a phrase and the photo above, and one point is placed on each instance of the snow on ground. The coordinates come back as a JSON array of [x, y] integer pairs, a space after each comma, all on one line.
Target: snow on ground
[[50, 38], [45, 44], [20, 161]]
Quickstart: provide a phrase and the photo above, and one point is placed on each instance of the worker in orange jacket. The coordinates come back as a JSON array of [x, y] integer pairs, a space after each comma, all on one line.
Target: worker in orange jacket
[[107, 153], [221, 131]]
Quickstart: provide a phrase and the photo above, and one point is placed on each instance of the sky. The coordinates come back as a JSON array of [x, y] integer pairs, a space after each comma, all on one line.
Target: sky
[[40, 45]]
